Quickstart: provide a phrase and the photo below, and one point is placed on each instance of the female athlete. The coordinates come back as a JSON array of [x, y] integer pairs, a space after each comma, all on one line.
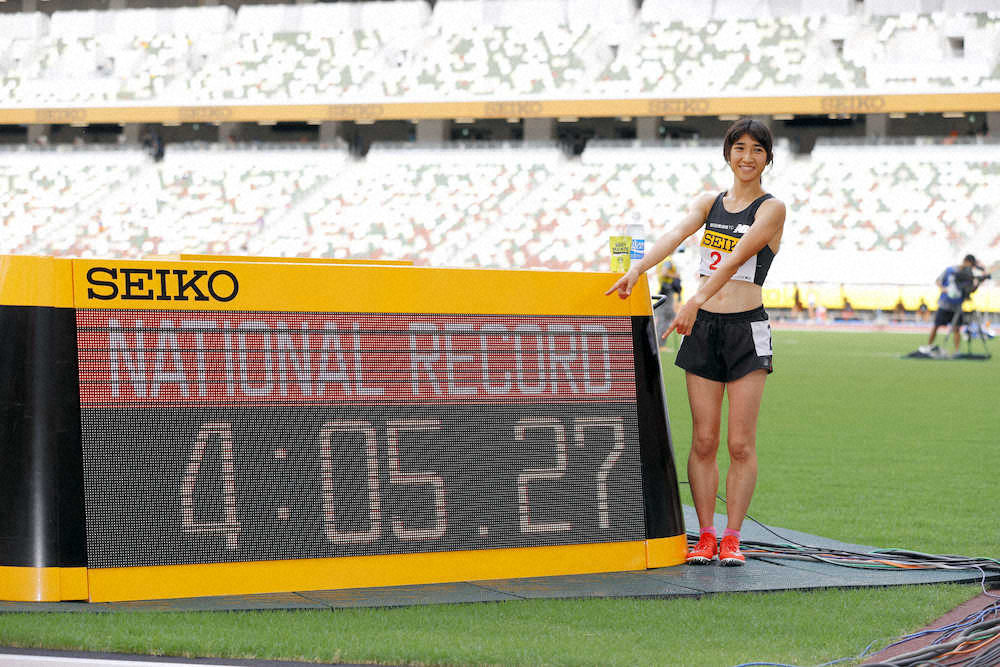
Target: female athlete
[[727, 337]]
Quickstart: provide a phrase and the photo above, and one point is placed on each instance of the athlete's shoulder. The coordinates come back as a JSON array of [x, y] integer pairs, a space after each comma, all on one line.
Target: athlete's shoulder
[[772, 207], [707, 198], [772, 202], [705, 201]]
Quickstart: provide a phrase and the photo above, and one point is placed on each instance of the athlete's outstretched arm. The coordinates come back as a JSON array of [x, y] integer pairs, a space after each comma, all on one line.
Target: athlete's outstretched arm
[[768, 222], [665, 245]]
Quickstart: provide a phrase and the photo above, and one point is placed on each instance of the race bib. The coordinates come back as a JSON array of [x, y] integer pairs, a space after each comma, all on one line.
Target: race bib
[[717, 246]]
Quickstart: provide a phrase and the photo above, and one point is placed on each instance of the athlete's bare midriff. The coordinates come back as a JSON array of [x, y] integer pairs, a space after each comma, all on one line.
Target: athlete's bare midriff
[[736, 296]]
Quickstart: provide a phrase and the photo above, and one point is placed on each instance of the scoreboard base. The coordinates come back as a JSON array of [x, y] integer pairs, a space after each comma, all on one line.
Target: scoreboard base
[[666, 551], [178, 581], [43, 584]]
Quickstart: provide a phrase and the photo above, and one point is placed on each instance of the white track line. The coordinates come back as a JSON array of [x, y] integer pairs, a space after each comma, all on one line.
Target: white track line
[[60, 661]]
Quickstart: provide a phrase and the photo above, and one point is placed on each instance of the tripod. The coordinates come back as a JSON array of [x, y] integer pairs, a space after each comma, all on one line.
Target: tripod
[[974, 329], [968, 282]]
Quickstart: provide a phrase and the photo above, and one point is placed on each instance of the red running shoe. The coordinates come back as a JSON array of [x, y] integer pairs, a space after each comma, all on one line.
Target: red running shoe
[[703, 552], [729, 552]]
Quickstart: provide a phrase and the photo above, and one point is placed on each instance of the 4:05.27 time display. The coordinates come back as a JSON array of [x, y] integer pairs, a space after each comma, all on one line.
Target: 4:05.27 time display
[[277, 482]]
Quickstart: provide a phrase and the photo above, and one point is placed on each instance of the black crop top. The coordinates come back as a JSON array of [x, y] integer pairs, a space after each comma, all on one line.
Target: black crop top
[[722, 230]]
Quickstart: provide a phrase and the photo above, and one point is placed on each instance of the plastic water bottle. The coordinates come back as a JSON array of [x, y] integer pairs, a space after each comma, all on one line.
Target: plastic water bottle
[[637, 231]]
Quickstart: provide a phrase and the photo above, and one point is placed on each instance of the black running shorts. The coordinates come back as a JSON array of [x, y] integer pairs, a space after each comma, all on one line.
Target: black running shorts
[[726, 346], [945, 318]]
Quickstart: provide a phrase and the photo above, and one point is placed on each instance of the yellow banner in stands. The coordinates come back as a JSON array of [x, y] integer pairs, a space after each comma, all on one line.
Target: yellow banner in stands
[[857, 103]]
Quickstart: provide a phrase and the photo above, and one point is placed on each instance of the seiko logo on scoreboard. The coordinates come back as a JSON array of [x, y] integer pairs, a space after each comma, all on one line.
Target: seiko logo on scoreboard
[[141, 284]]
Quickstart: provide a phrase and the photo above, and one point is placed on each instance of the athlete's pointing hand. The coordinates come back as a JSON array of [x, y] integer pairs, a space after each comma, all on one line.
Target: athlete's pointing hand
[[625, 284], [683, 320]]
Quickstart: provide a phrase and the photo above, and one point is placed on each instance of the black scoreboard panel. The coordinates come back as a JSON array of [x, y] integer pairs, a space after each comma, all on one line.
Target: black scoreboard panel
[[252, 436], [172, 486]]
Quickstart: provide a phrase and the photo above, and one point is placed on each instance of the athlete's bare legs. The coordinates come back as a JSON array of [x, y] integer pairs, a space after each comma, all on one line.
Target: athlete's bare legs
[[705, 398], [744, 406]]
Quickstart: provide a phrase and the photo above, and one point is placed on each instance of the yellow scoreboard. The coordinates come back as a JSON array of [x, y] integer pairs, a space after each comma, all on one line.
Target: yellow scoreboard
[[198, 427]]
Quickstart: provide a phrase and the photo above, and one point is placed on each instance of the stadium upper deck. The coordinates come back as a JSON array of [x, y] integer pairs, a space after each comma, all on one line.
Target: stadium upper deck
[[342, 60]]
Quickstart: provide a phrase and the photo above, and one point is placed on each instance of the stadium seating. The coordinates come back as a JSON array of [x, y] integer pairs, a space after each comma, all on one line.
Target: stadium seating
[[438, 206], [860, 215], [50, 198], [113, 57], [312, 53], [115, 203], [385, 51], [904, 203]]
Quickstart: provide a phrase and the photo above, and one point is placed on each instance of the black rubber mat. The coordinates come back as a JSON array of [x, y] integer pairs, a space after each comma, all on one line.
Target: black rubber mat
[[759, 574]]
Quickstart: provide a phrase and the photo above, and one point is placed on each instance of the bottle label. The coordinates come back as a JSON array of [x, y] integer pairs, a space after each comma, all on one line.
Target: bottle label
[[638, 248], [620, 251]]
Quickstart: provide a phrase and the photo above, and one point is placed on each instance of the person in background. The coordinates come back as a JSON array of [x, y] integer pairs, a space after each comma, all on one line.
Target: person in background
[[923, 311], [949, 312], [847, 310], [670, 287], [797, 304], [899, 311]]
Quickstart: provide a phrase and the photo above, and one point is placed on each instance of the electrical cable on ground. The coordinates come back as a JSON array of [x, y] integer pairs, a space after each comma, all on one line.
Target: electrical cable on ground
[[973, 641], [879, 559]]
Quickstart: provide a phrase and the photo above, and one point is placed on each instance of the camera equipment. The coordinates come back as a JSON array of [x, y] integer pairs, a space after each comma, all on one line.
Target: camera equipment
[[975, 329], [964, 282], [967, 280]]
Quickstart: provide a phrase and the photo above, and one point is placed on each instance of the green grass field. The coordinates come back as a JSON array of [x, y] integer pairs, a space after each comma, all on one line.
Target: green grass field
[[854, 443]]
